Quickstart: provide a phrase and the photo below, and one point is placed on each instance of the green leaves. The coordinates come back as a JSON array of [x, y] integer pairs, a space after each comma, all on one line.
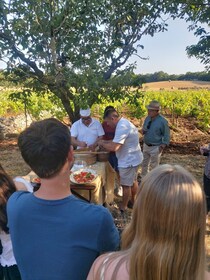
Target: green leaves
[[198, 13], [201, 50], [77, 50]]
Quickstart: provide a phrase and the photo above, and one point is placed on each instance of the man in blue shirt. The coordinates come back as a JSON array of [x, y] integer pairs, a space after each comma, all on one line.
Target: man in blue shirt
[[156, 137], [54, 234]]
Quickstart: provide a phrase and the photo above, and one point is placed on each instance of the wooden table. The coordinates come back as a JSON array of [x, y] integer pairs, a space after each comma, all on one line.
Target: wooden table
[[101, 189], [82, 187]]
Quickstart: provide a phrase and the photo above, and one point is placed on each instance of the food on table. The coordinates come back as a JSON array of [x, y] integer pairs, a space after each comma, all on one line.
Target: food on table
[[83, 177]]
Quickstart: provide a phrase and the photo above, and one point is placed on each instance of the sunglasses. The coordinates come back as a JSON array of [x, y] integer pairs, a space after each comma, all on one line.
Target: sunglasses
[[149, 124], [152, 110]]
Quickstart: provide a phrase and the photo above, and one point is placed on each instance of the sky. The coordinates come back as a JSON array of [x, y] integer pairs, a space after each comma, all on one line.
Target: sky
[[167, 51]]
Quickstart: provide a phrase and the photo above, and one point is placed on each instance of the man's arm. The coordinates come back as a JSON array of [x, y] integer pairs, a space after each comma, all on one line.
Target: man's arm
[[74, 132], [77, 143], [166, 134], [109, 145], [94, 145]]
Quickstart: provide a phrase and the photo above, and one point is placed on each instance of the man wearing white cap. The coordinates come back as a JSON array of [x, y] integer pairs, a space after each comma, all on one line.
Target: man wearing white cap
[[156, 137], [86, 131]]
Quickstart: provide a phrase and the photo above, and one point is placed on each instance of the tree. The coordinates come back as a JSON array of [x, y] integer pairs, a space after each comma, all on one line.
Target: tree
[[202, 49], [78, 50], [198, 12]]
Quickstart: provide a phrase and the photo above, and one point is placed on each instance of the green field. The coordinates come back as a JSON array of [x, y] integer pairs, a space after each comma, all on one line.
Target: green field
[[185, 103]]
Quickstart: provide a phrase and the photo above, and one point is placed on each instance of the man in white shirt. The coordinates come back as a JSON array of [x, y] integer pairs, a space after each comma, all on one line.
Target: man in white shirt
[[128, 152], [86, 131]]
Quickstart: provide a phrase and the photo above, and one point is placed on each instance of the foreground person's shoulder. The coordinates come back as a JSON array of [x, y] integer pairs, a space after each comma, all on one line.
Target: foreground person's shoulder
[[19, 194], [101, 209]]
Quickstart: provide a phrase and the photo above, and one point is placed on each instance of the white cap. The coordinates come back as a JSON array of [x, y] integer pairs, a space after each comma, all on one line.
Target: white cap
[[85, 113]]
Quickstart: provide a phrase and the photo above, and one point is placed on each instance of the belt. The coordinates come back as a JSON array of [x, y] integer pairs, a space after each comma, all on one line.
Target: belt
[[151, 145]]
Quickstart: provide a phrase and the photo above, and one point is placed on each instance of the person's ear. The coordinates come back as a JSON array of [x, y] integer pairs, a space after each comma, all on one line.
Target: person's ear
[[70, 154]]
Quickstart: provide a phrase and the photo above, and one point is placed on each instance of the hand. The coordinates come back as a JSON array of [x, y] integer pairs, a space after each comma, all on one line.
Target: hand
[[92, 147], [142, 131], [100, 142], [162, 147], [82, 144]]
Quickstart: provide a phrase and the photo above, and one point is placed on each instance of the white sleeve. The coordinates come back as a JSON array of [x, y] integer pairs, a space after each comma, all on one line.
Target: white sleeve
[[74, 130], [100, 130], [26, 183], [121, 133]]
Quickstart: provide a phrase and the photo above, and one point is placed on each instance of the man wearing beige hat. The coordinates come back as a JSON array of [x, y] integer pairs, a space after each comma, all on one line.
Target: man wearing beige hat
[[86, 131], [156, 137]]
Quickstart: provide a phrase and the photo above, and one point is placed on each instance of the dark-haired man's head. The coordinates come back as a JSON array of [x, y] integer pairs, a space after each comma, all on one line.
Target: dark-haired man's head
[[45, 146], [107, 109], [111, 116]]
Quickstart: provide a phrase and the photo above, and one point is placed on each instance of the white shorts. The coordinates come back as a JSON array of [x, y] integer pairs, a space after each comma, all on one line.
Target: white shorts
[[128, 175]]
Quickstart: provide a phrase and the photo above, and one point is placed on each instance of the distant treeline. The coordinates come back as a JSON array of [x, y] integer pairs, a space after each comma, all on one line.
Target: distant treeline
[[162, 76], [139, 79]]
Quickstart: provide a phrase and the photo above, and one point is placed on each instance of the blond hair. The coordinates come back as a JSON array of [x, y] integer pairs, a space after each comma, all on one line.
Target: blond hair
[[166, 235], [165, 239]]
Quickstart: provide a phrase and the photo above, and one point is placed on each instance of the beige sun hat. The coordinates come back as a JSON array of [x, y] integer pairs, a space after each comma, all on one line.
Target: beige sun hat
[[154, 105]]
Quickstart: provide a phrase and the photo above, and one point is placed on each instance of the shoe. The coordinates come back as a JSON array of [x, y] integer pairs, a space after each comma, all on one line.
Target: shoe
[[130, 204], [119, 191]]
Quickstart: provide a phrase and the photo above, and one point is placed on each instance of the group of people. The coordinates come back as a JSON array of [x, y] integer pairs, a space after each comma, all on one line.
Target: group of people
[[58, 236], [119, 136]]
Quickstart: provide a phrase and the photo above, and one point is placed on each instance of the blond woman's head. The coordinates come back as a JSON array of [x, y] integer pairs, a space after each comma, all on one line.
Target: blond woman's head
[[166, 234]]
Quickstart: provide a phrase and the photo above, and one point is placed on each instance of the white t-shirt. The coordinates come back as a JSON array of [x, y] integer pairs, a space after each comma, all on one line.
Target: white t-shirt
[[27, 184], [88, 134], [129, 154], [7, 257]]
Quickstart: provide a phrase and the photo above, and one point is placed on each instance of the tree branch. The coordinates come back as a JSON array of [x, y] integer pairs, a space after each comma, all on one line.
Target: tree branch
[[127, 48], [21, 55]]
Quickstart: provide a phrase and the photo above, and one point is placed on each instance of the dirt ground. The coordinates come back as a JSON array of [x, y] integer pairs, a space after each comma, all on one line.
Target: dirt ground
[[183, 150], [172, 85]]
